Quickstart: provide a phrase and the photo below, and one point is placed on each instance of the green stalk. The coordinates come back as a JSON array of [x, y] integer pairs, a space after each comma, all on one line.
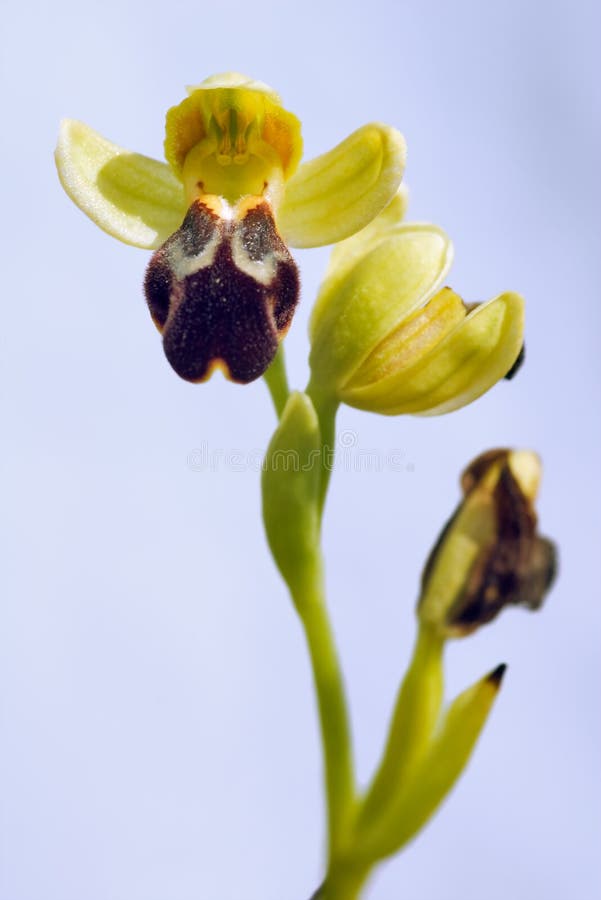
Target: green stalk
[[345, 881], [333, 715], [329, 686], [414, 719], [326, 408], [276, 380], [292, 500]]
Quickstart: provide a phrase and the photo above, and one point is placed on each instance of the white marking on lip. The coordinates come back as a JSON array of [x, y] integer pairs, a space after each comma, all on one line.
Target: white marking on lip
[[183, 266], [261, 270]]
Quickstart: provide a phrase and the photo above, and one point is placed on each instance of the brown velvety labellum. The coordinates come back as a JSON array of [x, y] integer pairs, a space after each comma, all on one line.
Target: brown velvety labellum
[[222, 292]]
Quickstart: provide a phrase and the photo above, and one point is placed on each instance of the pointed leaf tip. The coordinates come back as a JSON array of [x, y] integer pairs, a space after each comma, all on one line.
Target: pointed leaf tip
[[496, 676]]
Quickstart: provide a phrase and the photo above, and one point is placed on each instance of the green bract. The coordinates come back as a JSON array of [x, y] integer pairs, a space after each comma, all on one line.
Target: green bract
[[291, 473], [435, 771]]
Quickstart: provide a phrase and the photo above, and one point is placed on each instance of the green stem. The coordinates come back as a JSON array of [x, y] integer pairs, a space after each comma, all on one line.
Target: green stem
[[344, 882], [413, 721], [309, 598], [326, 408], [333, 715], [276, 380]]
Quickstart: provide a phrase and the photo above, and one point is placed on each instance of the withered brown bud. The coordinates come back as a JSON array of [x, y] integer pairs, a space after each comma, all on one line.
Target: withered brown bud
[[489, 554], [222, 290]]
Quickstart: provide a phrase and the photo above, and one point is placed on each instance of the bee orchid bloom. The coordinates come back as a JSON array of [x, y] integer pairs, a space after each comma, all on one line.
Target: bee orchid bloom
[[221, 212]]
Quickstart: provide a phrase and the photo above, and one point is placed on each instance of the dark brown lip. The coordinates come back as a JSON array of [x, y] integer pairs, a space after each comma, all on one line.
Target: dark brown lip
[[217, 315]]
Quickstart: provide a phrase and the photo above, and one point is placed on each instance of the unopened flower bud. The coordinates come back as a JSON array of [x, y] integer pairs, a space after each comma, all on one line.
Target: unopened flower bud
[[387, 337], [489, 554]]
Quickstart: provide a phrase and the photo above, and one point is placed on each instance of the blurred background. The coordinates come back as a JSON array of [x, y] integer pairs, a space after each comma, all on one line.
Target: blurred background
[[158, 731]]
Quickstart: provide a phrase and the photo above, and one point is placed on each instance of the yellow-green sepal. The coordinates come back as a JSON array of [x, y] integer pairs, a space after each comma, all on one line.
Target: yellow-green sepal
[[438, 770], [290, 485], [336, 194], [135, 199], [476, 354], [482, 351], [345, 254], [354, 314]]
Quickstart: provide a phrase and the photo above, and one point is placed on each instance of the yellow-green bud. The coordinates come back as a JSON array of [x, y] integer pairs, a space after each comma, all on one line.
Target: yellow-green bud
[[386, 338], [489, 554]]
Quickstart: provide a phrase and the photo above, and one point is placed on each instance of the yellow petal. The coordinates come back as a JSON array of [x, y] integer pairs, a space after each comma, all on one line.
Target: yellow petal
[[132, 197], [234, 80], [333, 196], [232, 118], [354, 315], [526, 468], [469, 361], [415, 337]]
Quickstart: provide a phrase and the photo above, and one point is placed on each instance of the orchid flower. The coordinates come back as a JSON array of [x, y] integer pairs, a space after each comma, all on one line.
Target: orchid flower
[[221, 213]]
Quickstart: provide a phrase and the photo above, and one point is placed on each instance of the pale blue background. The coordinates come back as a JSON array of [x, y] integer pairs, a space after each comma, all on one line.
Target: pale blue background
[[158, 730]]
